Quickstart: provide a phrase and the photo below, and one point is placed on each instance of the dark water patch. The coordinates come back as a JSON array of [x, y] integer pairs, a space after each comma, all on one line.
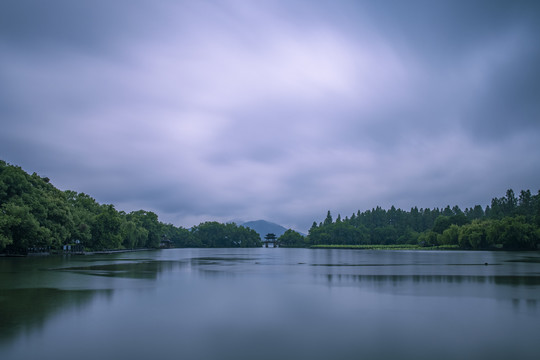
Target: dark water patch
[[477, 264], [93, 259], [135, 270], [225, 259], [27, 310], [527, 259], [517, 280], [337, 265], [409, 264], [222, 261], [514, 281]]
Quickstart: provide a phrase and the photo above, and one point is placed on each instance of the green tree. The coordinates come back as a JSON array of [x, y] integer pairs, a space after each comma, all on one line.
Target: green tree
[[385, 235], [133, 236], [213, 234], [510, 203], [474, 235], [106, 230], [149, 221], [20, 230], [328, 220], [515, 233], [209, 234], [427, 238], [442, 223], [179, 236], [244, 237], [449, 236], [291, 238], [408, 236], [475, 213], [526, 205]]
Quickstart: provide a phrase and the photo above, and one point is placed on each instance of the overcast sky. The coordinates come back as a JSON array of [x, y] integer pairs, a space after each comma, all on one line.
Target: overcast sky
[[276, 110]]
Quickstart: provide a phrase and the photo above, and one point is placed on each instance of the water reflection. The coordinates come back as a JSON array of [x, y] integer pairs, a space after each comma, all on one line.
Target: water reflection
[[529, 304], [146, 269], [516, 281], [27, 303], [526, 259], [28, 310], [272, 303]]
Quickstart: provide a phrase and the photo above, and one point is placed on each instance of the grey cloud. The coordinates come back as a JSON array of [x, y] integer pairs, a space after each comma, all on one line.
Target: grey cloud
[[277, 110], [32, 25], [443, 30], [510, 102], [87, 27]]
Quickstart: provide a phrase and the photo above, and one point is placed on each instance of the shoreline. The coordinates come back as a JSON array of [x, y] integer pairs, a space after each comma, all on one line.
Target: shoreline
[[83, 253]]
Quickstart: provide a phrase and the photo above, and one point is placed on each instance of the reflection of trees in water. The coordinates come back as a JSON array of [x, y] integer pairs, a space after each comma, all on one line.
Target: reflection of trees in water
[[134, 270], [523, 291], [531, 304], [214, 266], [27, 310], [498, 280]]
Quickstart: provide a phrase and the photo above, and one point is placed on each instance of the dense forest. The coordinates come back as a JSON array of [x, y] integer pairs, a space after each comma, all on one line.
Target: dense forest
[[35, 216], [510, 222]]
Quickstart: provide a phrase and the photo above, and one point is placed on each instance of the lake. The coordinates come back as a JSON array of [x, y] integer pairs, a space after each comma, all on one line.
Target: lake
[[268, 303]]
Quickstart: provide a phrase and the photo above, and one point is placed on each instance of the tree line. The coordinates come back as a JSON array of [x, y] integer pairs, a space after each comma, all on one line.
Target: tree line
[[35, 216], [510, 222]]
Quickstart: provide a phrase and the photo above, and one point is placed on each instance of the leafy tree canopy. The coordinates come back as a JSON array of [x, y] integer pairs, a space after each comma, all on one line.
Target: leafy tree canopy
[[509, 222], [36, 216]]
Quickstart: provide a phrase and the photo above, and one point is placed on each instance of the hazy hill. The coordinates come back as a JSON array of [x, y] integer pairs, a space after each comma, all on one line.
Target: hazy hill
[[264, 227]]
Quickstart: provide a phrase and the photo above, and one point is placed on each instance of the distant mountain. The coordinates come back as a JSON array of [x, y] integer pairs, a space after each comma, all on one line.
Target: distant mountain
[[265, 227]]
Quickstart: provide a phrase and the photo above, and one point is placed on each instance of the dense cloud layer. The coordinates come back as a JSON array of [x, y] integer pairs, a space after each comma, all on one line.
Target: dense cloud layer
[[220, 110]]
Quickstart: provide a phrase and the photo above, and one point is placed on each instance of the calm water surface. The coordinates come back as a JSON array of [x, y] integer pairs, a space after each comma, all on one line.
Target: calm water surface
[[272, 304]]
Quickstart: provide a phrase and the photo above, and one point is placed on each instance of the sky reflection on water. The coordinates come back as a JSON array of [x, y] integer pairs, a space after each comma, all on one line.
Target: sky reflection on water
[[272, 303]]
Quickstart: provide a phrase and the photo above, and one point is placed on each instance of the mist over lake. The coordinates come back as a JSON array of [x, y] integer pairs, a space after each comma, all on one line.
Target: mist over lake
[[267, 303]]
